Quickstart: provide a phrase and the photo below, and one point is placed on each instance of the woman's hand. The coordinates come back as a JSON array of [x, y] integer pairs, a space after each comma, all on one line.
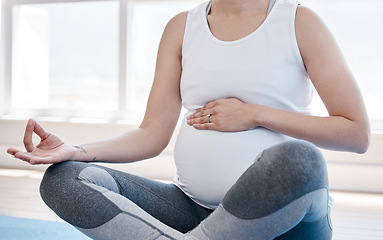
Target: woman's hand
[[51, 148], [225, 115]]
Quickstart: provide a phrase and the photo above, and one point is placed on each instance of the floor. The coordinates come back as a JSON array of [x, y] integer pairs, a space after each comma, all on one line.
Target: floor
[[356, 216]]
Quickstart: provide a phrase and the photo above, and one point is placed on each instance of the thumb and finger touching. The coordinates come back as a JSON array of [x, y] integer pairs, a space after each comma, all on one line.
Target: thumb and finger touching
[[40, 153], [47, 140]]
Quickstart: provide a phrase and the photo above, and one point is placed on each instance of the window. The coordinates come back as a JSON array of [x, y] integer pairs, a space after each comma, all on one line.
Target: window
[[95, 58], [65, 56], [82, 59]]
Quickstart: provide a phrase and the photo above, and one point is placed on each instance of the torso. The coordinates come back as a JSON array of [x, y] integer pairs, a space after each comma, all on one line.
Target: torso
[[263, 67]]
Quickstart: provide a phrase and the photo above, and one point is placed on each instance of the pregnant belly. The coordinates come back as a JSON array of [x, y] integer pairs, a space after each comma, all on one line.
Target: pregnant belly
[[209, 162]]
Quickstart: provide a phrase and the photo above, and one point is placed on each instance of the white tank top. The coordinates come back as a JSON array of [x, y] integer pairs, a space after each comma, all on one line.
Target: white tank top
[[264, 68]]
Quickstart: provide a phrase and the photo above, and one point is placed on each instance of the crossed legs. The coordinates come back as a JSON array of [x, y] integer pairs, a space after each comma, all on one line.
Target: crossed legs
[[283, 195]]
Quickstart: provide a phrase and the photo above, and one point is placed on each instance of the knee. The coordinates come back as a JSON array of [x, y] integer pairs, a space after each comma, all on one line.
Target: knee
[[64, 190], [57, 178], [51, 177], [280, 175], [300, 162]]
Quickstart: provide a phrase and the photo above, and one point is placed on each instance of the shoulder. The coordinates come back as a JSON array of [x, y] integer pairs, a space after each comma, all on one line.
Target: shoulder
[[307, 21], [175, 29], [172, 37], [312, 34], [179, 19], [176, 25]]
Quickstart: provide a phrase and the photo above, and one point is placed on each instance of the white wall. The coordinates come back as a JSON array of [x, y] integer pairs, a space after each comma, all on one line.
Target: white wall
[[347, 171]]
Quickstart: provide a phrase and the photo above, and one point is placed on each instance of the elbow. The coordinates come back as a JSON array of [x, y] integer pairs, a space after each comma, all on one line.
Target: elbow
[[359, 136], [363, 141], [364, 145]]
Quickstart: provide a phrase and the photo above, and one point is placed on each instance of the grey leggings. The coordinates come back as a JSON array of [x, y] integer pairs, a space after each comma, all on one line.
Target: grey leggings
[[283, 195]]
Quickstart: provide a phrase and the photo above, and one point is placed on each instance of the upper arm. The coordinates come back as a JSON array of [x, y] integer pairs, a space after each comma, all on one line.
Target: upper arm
[[328, 69], [164, 101]]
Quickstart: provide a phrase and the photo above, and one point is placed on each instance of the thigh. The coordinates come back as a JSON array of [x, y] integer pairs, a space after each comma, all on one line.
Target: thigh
[[65, 189], [163, 201]]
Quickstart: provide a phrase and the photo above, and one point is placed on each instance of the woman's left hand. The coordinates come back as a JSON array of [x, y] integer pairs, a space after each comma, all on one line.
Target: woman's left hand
[[225, 115]]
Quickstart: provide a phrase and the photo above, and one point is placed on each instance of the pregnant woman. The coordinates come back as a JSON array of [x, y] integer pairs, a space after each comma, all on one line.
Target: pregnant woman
[[248, 166]]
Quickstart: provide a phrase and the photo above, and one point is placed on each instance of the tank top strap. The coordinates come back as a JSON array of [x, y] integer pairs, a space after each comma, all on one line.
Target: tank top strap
[[271, 5]]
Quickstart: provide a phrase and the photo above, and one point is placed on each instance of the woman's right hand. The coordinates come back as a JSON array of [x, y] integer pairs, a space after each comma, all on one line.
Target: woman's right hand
[[51, 148]]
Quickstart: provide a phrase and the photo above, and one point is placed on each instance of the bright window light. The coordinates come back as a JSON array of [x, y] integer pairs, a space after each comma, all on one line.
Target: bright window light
[[65, 56]]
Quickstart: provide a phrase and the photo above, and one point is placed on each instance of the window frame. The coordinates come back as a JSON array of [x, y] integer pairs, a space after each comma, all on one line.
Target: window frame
[[122, 111]]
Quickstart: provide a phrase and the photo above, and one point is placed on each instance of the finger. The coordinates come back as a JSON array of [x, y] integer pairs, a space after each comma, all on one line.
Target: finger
[[202, 120], [209, 105], [42, 160], [198, 120], [201, 114], [23, 156], [32, 159], [12, 151], [40, 131], [202, 111], [205, 110], [195, 114], [205, 126], [28, 144]]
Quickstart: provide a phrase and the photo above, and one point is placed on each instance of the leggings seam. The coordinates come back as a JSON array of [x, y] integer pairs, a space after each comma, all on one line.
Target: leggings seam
[[325, 214], [137, 184], [127, 213], [319, 219], [234, 214], [149, 224], [169, 203], [85, 180], [103, 196]]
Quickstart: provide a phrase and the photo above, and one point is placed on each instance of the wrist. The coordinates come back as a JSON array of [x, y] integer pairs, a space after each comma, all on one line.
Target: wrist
[[79, 152], [256, 115]]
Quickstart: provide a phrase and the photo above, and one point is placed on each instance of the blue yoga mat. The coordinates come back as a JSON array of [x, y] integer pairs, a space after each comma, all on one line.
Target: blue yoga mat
[[12, 228]]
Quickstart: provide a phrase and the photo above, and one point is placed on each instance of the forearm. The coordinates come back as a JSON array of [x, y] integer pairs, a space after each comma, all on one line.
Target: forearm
[[132, 146], [332, 132]]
